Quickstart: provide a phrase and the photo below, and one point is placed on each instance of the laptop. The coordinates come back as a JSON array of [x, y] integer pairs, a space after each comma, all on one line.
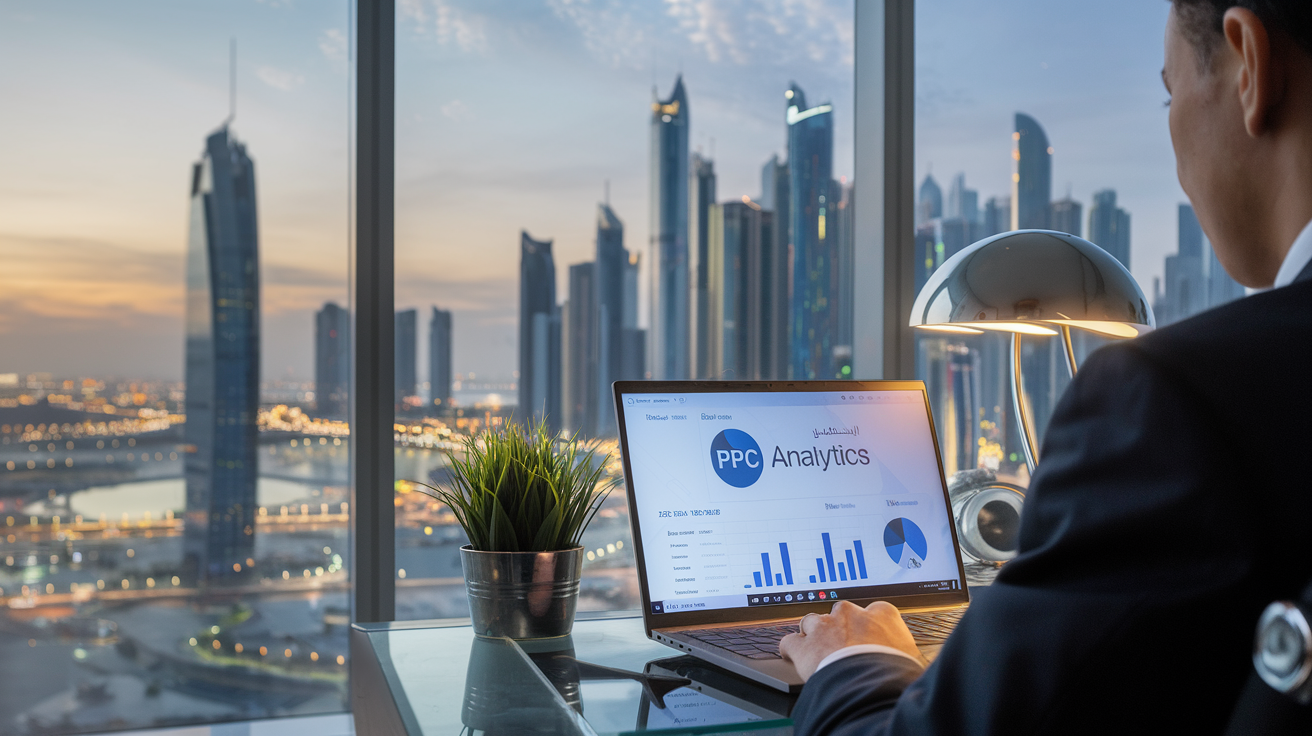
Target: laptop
[[754, 503]]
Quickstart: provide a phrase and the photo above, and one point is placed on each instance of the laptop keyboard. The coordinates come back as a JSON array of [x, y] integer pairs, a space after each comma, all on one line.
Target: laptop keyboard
[[762, 642]]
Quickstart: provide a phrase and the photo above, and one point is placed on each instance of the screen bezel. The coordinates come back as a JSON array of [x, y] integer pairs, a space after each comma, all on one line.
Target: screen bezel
[[785, 610]]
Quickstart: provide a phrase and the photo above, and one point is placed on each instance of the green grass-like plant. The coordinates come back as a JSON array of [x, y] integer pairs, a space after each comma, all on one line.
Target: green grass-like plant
[[524, 489]]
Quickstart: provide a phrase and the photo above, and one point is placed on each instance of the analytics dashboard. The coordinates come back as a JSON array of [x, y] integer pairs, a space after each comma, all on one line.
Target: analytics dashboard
[[753, 498]]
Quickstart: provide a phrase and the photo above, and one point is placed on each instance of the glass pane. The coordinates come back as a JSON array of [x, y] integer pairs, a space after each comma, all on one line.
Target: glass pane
[[173, 487], [588, 193], [1043, 115]]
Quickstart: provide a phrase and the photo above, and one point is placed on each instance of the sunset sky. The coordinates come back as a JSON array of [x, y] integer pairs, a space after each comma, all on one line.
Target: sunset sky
[[510, 115]]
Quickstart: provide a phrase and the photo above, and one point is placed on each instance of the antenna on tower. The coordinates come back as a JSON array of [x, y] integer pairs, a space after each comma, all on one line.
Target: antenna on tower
[[232, 81]]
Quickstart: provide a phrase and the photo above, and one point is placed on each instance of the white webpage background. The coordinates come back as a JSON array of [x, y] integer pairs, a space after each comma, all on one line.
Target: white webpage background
[[672, 470]]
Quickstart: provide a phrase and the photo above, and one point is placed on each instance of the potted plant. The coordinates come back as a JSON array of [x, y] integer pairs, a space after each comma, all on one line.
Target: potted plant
[[524, 497]]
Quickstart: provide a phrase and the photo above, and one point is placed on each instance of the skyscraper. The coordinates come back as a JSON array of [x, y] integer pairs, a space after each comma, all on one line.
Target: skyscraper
[[701, 199], [1109, 226], [777, 296], [962, 203], [997, 216], [929, 203], [1031, 180], [406, 354], [439, 356], [539, 334], [813, 318], [223, 361], [332, 361], [633, 360], [612, 260], [1066, 217], [668, 338], [1194, 278], [580, 350]]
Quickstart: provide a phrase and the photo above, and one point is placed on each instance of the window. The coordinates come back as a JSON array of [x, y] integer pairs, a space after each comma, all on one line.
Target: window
[[174, 506], [588, 192], [1042, 115]]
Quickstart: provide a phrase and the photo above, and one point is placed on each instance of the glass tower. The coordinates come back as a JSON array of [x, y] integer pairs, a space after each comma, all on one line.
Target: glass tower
[[1109, 226], [612, 259], [222, 362], [1031, 182], [439, 356], [539, 334], [813, 313], [332, 361], [669, 339], [405, 354]]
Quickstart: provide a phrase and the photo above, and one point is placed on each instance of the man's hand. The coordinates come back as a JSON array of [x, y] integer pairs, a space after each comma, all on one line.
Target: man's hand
[[848, 624]]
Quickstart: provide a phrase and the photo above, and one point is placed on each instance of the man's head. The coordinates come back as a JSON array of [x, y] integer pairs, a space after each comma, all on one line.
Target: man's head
[[1240, 77]]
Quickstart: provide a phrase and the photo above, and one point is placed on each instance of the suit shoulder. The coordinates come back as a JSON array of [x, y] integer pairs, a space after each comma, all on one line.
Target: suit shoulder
[[1269, 321]]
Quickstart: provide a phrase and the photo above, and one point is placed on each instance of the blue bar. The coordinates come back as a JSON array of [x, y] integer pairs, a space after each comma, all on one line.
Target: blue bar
[[820, 567], [842, 574], [829, 556], [860, 558], [778, 579], [788, 566], [765, 563], [851, 566], [813, 578], [757, 575]]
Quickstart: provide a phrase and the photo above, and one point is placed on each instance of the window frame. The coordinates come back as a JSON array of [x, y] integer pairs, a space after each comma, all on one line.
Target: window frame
[[884, 80]]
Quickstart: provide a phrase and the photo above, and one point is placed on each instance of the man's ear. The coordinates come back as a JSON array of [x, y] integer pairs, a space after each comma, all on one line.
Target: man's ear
[[1259, 81]]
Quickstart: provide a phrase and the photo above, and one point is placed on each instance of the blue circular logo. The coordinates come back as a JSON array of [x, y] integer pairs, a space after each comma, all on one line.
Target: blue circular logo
[[736, 458]]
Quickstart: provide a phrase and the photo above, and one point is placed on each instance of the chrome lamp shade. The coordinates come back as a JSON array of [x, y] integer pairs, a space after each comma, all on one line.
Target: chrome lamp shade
[[1032, 282]]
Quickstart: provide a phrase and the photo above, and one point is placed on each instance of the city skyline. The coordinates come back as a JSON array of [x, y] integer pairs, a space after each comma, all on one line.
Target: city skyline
[[134, 331]]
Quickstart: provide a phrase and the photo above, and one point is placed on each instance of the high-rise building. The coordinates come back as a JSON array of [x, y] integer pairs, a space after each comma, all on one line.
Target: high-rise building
[[701, 199], [439, 356], [997, 216], [668, 338], [332, 361], [222, 362], [1109, 226], [580, 350], [1194, 278], [814, 316], [962, 203], [929, 203], [1031, 180], [406, 354], [539, 334], [1066, 217], [612, 260], [633, 359], [778, 288]]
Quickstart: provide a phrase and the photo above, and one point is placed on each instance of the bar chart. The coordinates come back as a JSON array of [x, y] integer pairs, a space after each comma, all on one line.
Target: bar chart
[[850, 565]]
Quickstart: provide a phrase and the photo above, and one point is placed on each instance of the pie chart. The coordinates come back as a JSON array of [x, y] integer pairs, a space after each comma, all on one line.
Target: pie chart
[[900, 534]]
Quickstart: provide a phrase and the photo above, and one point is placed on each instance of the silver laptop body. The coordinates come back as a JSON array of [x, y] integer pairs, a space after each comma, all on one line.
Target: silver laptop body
[[753, 503]]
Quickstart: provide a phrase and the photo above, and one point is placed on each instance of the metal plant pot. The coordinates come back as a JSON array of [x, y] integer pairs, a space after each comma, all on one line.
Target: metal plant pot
[[522, 595]]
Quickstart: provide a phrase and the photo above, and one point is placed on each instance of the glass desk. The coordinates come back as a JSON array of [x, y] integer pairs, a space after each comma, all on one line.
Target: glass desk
[[430, 678]]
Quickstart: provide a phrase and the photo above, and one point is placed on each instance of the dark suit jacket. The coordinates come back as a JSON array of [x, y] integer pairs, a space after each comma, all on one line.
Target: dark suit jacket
[[1171, 504]]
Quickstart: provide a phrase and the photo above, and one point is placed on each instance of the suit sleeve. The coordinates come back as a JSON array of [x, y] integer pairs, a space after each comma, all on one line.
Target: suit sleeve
[[1126, 596]]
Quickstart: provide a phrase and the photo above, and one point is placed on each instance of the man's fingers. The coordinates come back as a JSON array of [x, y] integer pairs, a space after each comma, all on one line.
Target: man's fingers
[[787, 644]]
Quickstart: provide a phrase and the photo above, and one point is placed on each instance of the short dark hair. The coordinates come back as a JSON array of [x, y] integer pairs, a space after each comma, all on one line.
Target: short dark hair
[[1201, 20]]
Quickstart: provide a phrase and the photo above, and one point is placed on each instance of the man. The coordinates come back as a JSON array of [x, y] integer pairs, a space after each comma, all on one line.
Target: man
[[1173, 501]]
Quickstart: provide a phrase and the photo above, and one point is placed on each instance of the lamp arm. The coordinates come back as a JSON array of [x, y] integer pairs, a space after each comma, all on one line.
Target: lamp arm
[[1027, 441], [1070, 349]]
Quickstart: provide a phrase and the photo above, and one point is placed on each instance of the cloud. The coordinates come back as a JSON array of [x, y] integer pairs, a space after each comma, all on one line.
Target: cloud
[[279, 79], [448, 24], [455, 110], [609, 30], [771, 31], [333, 44]]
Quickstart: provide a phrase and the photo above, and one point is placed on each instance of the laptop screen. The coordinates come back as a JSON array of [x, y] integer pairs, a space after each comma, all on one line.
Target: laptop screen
[[768, 498]]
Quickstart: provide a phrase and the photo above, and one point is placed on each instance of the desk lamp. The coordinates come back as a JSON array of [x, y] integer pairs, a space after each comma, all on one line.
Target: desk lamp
[[1032, 282]]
